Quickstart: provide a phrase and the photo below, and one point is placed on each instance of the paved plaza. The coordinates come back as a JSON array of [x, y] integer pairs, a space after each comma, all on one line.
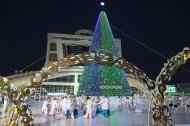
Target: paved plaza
[[181, 118]]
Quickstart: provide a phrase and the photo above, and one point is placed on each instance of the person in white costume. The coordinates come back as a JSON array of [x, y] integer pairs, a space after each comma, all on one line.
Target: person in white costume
[[127, 103], [88, 108], [54, 105], [59, 100], [83, 102], [120, 104], [45, 107], [64, 106], [94, 105], [138, 103]]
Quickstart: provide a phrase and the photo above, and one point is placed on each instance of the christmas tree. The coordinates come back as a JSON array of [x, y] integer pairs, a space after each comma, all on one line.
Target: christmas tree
[[98, 79]]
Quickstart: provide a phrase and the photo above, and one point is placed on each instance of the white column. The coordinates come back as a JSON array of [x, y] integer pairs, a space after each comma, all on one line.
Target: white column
[[59, 50]]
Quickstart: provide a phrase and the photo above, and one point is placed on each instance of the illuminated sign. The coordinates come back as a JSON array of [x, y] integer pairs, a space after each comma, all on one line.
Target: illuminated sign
[[170, 88]]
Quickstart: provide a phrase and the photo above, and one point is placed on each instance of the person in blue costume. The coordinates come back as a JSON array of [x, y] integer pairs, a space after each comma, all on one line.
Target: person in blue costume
[[99, 108], [105, 106]]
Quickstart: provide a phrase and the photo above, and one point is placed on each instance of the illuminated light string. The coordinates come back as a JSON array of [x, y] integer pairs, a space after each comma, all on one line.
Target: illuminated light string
[[33, 63], [144, 45]]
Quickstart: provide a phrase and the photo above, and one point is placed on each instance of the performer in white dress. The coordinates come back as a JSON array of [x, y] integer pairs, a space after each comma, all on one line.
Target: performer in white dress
[[89, 108], [64, 106], [45, 107], [54, 105], [119, 101]]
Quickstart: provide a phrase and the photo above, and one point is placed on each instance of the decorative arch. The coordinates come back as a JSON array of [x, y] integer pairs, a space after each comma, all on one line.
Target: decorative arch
[[38, 94], [161, 115]]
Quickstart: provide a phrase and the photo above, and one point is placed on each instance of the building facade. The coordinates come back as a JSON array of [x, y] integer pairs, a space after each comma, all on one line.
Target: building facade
[[62, 45]]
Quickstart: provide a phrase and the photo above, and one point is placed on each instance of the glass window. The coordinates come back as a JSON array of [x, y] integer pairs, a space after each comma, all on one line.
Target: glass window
[[85, 34], [59, 89], [53, 47], [77, 49], [69, 79]]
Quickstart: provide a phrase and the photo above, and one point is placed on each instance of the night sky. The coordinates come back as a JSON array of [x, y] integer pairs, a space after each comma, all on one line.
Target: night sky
[[162, 25]]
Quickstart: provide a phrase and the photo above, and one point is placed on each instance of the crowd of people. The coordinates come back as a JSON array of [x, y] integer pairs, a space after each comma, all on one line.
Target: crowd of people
[[178, 102], [70, 106], [89, 107]]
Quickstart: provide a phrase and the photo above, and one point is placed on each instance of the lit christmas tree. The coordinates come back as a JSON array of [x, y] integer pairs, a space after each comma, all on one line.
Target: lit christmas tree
[[98, 79]]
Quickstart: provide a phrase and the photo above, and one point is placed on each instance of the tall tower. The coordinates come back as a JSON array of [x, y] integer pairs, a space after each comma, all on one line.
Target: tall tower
[[98, 79]]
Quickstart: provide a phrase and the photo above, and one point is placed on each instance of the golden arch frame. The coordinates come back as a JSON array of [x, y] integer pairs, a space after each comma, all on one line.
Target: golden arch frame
[[160, 112]]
